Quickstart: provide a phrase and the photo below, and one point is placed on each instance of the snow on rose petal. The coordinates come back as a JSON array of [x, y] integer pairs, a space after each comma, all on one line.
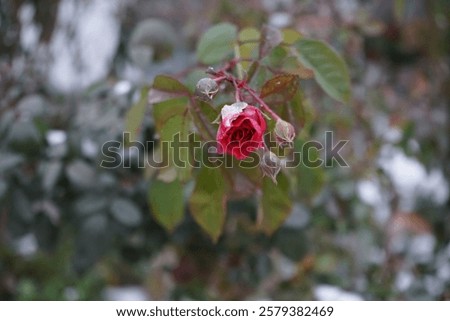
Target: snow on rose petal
[[241, 130]]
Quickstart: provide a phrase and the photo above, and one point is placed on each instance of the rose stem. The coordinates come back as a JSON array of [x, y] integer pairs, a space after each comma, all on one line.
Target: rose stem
[[222, 74], [238, 90], [261, 102]]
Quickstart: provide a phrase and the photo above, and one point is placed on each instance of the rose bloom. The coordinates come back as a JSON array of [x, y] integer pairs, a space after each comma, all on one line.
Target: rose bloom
[[241, 130]]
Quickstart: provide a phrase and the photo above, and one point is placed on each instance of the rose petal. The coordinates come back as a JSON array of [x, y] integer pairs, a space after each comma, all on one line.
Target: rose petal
[[230, 112], [241, 130]]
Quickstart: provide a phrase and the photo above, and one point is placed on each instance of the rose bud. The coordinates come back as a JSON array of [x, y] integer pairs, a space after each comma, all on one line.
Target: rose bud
[[241, 130], [270, 165], [284, 133], [206, 89]]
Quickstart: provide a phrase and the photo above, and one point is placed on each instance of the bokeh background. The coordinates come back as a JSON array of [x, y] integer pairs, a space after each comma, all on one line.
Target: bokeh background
[[71, 230]]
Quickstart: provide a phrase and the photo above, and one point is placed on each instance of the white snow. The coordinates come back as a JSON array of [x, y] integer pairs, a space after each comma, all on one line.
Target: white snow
[[88, 147], [411, 180], [29, 31], [421, 247], [325, 292], [370, 192], [404, 280], [348, 9], [26, 245], [125, 293], [85, 41], [56, 137], [229, 111], [280, 19], [122, 87]]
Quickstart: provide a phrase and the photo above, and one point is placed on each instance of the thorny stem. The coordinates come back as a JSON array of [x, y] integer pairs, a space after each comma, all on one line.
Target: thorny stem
[[222, 75], [238, 90], [261, 102]]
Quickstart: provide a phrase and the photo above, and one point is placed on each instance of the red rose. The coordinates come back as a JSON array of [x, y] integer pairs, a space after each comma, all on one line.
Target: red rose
[[241, 130]]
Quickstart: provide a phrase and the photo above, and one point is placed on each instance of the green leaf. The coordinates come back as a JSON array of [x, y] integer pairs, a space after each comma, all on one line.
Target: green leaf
[[135, 116], [193, 77], [248, 45], [169, 84], [179, 153], [216, 43], [275, 57], [203, 115], [249, 35], [270, 38], [329, 68], [166, 201], [310, 176], [258, 74], [252, 69], [275, 204], [290, 36], [299, 113], [208, 111], [251, 177], [281, 88], [208, 201], [280, 58], [292, 65], [165, 88], [173, 123], [163, 111]]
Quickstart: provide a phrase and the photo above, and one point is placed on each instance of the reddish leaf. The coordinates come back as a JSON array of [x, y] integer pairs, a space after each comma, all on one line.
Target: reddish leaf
[[402, 222], [281, 88]]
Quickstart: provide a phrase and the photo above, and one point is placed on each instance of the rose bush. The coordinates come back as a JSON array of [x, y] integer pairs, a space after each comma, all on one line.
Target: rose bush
[[241, 130], [266, 97]]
